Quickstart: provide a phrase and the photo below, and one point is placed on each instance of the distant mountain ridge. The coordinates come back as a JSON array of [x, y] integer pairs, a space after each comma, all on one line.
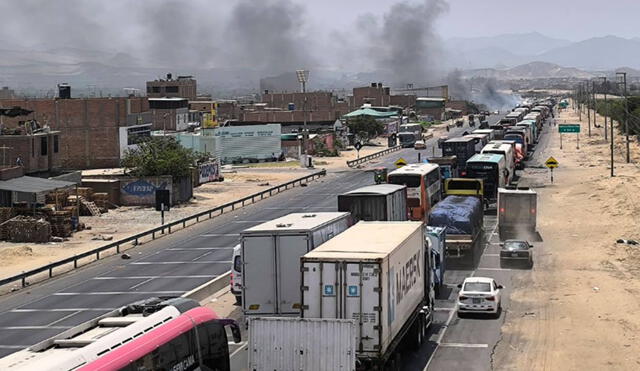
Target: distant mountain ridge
[[533, 70], [597, 53]]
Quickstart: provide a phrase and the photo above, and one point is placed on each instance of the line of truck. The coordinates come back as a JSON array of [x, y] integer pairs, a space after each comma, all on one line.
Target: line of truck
[[370, 271]]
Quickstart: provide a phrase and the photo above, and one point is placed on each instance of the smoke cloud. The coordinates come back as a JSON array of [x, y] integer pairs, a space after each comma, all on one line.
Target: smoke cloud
[[405, 45]]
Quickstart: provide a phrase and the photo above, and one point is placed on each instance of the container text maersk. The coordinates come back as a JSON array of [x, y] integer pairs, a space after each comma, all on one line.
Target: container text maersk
[[407, 277]]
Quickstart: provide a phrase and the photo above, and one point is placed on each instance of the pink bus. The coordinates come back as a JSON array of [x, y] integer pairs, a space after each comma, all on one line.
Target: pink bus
[[155, 334]]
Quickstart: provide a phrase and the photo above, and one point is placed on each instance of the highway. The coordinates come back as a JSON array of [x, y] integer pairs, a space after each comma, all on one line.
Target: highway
[[166, 267]]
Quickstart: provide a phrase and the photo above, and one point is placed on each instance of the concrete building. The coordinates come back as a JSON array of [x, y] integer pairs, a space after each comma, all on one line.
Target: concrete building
[[226, 109], [89, 128], [6, 93], [35, 152], [182, 87], [375, 94], [433, 107], [169, 113]]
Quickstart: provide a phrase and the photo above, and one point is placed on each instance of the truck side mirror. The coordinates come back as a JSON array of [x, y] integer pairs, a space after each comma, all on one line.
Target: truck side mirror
[[500, 287], [459, 285]]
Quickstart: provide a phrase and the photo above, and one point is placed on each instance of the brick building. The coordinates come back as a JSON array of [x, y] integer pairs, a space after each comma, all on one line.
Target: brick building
[[6, 93], [89, 128], [169, 113], [182, 87], [375, 94], [226, 109], [35, 153]]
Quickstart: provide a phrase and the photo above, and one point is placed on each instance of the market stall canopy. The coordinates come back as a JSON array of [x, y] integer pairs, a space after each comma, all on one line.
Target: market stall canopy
[[370, 112]]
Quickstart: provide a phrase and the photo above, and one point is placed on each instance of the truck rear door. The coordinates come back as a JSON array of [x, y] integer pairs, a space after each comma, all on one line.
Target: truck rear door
[[259, 274], [290, 249], [345, 290]]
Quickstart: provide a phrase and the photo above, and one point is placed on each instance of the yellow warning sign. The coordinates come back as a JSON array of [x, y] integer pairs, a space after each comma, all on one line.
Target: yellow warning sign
[[401, 162], [551, 163]]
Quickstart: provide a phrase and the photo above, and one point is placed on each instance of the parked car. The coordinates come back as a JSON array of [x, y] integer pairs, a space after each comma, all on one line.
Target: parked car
[[420, 144], [236, 274], [516, 251], [479, 295]]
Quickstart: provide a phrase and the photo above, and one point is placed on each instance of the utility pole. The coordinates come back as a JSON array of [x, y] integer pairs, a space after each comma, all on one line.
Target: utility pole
[[303, 76], [588, 97], [606, 109]]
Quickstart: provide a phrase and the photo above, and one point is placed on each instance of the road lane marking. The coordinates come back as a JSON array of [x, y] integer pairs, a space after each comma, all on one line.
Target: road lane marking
[[154, 277], [443, 309], [14, 346], [35, 327], [463, 345], [141, 283], [28, 310], [220, 235], [63, 318], [491, 255], [251, 221], [119, 293], [188, 262], [197, 248]]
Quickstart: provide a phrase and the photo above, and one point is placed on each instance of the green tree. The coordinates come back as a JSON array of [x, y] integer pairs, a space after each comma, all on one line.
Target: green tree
[[366, 127], [159, 156]]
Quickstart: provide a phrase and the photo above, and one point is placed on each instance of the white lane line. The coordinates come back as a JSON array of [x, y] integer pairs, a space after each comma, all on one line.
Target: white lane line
[[240, 347], [119, 293], [203, 255], [491, 255], [282, 208], [154, 277], [63, 318], [452, 313], [443, 309], [463, 345], [34, 327], [188, 262], [494, 269], [220, 235], [250, 221], [198, 248], [28, 310], [141, 283], [14, 346]]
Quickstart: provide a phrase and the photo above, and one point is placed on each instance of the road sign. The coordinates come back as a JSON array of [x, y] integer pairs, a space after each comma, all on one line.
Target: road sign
[[358, 145], [551, 163], [401, 162], [568, 128]]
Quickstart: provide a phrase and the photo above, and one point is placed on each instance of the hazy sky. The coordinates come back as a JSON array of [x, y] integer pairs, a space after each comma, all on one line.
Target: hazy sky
[[570, 19]]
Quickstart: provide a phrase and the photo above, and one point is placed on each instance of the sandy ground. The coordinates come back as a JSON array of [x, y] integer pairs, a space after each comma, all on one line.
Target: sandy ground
[[578, 309], [125, 221]]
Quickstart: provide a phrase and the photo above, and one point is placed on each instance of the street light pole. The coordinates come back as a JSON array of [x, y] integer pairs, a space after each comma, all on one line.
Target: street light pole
[[303, 76]]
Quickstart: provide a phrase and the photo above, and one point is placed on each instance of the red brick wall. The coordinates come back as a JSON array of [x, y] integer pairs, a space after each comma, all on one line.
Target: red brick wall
[[287, 116], [316, 101], [29, 148], [89, 135]]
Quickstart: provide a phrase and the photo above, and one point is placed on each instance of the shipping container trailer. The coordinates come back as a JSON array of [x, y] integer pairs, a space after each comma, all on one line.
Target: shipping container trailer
[[309, 344], [271, 254], [382, 202], [377, 273], [517, 213]]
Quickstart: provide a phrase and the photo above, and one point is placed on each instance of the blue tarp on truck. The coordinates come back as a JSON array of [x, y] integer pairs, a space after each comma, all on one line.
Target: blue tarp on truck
[[459, 214]]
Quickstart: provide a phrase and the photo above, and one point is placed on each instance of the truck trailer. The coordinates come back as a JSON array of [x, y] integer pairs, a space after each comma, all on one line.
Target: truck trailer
[[462, 216], [284, 343], [381, 202], [517, 213], [271, 254], [377, 273]]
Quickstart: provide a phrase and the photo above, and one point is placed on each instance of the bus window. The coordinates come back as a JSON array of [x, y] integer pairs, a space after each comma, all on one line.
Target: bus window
[[178, 354]]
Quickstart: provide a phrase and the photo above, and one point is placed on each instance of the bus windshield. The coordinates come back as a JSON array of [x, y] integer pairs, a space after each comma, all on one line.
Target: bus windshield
[[411, 181]]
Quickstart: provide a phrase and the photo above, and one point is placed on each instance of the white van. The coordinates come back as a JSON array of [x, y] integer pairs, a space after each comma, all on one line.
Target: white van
[[236, 273], [505, 150]]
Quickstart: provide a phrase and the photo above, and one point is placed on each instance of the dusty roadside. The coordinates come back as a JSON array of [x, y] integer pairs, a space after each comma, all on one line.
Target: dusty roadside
[[579, 308], [125, 221]]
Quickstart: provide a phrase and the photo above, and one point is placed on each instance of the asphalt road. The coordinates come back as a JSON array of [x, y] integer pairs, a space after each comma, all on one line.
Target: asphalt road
[[169, 266]]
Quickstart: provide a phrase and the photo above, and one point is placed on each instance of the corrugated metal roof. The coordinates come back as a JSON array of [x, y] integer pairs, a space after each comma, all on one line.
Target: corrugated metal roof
[[369, 112], [29, 184]]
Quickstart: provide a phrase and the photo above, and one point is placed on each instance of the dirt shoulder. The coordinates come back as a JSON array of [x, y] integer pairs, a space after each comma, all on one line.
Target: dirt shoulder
[[125, 221], [578, 309]]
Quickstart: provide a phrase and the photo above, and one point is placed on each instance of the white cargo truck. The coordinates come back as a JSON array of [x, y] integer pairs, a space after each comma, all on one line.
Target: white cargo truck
[[380, 202], [271, 254], [309, 344], [378, 274]]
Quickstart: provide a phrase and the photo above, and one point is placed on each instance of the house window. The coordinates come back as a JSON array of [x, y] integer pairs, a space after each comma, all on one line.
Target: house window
[[43, 146], [56, 144], [33, 147], [155, 89], [171, 89]]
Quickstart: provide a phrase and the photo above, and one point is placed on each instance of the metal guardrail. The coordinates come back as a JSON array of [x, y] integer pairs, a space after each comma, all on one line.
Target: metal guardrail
[[216, 211], [360, 160]]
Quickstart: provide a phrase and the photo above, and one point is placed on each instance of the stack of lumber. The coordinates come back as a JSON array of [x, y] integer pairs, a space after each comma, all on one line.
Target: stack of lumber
[[28, 229]]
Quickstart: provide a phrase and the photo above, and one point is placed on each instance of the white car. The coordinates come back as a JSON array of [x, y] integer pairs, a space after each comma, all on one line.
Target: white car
[[479, 295], [236, 274]]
